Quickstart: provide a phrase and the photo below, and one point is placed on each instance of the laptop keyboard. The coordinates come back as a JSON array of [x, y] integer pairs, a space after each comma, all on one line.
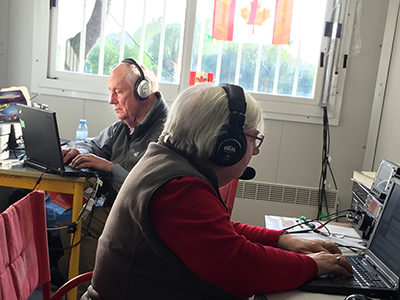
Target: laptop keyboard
[[361, 276], [71, 170]]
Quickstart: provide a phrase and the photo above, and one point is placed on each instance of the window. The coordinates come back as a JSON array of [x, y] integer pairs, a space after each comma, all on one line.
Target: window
[[174, 37]]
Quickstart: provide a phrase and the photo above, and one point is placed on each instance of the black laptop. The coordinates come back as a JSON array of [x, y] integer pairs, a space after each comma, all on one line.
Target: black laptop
[[381, 259], [42, 142]]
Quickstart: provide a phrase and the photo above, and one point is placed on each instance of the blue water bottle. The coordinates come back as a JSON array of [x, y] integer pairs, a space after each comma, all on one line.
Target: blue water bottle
[[82, 131]]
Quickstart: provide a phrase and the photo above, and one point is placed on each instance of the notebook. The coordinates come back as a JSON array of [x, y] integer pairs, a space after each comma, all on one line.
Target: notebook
[[381, 258], [42, 142]]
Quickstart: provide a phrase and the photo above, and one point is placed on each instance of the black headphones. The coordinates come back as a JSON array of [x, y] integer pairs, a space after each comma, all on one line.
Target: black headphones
[[231, 143], [142, 88]]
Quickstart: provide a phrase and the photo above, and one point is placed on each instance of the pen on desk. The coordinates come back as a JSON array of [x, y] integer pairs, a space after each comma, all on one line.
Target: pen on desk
[[301, 226]]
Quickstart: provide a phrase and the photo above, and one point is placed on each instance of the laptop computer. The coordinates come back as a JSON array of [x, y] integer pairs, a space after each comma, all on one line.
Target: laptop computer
[[381, 258], [42, 142]]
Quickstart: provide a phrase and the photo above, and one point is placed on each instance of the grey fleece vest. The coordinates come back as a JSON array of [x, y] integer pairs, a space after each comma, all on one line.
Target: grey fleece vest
[[128, 149], [132, 262]]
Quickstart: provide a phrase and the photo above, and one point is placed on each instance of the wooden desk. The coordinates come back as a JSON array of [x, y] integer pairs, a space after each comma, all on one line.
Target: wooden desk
[[13, 174]]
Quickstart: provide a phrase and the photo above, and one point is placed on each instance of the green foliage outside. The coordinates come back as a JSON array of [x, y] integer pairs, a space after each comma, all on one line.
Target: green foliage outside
[[209, 59]]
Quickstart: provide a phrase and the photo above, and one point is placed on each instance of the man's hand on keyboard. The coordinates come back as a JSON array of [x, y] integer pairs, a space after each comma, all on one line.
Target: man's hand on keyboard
[[91, 161]]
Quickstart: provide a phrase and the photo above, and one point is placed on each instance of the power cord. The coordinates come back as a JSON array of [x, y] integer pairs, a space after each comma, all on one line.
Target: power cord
[[304, 220], [87, 210], [326, 159]]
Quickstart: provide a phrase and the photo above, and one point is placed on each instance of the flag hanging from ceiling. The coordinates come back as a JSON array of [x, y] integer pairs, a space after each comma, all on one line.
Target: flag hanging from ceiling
[[283, 22], [223, 20], [257, 21]]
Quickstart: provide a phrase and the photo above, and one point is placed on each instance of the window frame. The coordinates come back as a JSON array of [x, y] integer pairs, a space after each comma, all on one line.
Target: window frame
[[275, 107]]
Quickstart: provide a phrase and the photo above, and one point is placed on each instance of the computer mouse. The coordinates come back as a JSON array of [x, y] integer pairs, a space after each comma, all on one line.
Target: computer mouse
[[357, 297]]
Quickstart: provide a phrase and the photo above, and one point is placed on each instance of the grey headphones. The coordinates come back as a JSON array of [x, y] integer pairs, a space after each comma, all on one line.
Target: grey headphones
[[142, 88]]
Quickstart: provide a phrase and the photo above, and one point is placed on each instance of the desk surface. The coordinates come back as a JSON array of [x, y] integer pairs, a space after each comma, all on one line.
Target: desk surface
[[341, 233], [14, 167]]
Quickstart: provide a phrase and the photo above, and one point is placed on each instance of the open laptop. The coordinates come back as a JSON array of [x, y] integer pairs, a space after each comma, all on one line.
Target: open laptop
[[381, 258], [42, 142]]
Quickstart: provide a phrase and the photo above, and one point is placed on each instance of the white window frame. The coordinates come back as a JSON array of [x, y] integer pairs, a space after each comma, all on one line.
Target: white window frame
[[274, 107]]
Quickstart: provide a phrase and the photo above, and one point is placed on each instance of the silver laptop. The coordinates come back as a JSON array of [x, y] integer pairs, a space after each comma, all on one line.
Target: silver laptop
[[42, 142], [381, 259]]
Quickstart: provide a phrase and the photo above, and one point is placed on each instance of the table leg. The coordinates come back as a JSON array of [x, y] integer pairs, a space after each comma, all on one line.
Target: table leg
[[75, 238]]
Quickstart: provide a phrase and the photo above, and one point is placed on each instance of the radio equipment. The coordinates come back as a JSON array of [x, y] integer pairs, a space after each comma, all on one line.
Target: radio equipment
[[366, 203]]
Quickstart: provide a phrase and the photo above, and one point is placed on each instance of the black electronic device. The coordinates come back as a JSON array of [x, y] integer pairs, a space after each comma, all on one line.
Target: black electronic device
[[12, 141], [248, 174], [365, 209], [142, 88], [367, 203], [376, 272], [42, 143], [231, 144]]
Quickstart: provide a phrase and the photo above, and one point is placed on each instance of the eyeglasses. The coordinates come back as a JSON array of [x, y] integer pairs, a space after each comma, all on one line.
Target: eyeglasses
[[258, 139]]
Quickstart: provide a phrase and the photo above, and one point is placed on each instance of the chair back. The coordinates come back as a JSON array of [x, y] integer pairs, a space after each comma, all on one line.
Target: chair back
[[228, 193], [24, 256]]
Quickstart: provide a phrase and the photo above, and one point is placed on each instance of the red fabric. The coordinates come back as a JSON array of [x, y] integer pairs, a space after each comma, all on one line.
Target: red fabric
[[223, 20], [283, 22], [64, 200], [228, 193], [5, 273], [242, 259], [26, 243]]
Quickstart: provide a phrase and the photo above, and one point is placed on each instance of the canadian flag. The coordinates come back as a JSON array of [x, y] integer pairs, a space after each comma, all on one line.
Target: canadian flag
[[258, 21]]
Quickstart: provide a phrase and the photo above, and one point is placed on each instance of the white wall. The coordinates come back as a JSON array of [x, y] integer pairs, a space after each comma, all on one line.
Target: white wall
[[3, 42], [388, 145], [292, 151]]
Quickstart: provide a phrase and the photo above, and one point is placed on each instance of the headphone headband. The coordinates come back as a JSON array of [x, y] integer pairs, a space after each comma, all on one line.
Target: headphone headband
[[231, 144], [142, 88]]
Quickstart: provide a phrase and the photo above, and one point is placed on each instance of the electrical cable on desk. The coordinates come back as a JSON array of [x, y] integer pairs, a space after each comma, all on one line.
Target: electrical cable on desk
[[331, 219], [309, 222]]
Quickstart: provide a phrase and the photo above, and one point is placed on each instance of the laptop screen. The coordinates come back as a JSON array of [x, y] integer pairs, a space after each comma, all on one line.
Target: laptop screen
[[385, 242], [41, 139]]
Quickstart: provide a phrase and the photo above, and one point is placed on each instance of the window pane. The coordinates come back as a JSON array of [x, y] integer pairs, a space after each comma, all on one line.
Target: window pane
[[149, 31], [250, 59]]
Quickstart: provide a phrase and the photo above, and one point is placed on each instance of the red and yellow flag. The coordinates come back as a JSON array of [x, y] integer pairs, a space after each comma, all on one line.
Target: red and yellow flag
[[224, 16], [283, 22]]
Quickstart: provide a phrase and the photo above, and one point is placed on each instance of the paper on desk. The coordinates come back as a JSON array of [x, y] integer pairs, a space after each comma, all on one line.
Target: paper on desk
[[343, 230], [342, 235], [302, 295]]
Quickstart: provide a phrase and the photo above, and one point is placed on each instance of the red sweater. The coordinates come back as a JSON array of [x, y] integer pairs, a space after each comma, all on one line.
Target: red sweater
[[190, 219]]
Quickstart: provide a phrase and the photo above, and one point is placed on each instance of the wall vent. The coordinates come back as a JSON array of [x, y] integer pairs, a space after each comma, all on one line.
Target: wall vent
[[283, 193]]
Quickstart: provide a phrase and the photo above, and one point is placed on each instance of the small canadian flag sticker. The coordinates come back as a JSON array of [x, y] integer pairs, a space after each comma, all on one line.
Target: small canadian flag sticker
[[200, 77]]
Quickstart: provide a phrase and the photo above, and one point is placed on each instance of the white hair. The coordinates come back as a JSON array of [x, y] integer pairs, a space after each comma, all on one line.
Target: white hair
[[134, 74], [198, 115]]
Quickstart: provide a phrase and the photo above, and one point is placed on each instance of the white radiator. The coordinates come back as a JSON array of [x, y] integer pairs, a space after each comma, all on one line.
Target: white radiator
[[254, 200]]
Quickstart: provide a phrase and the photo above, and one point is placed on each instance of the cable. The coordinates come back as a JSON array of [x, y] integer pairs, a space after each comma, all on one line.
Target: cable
[[73, 226], [39, 179], [306, 222], [322, 199]]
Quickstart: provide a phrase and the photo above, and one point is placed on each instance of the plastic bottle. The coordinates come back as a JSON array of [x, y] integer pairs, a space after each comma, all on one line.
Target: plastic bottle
[[82, 131]]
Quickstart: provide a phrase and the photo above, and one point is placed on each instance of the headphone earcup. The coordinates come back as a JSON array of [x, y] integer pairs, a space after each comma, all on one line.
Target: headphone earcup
[[230, 148], [142, 89]]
